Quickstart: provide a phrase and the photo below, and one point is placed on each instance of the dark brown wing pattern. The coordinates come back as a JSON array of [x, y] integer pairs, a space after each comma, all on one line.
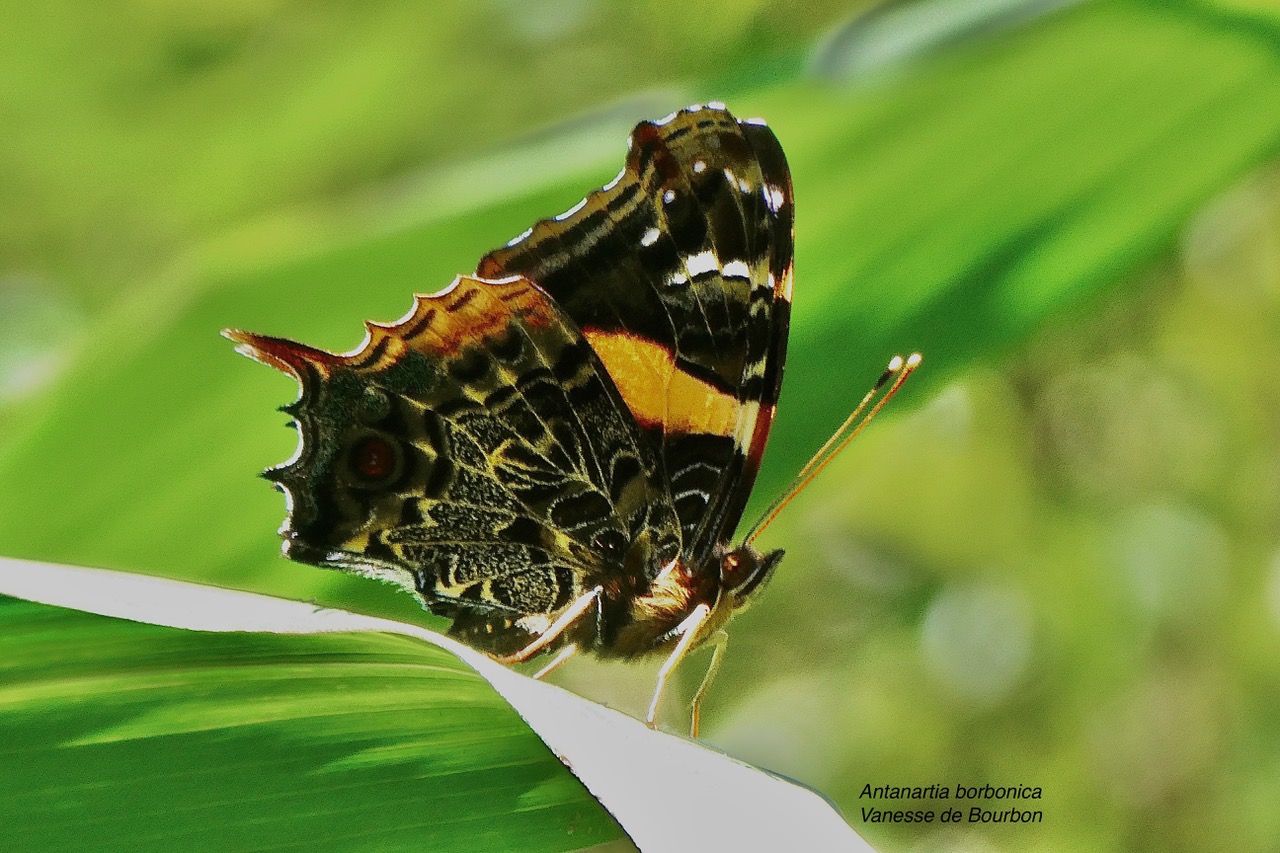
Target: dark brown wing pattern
[[679, 274], [474, 451], [576, 428]]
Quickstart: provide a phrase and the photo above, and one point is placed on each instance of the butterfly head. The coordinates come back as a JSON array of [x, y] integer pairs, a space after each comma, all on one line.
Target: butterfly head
[[743, 571]]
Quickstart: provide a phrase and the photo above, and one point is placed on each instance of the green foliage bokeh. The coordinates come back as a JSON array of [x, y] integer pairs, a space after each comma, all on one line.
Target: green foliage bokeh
[[1047, 565]]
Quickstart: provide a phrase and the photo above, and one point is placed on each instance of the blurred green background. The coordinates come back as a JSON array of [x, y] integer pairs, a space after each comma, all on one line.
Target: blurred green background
[[1052, 562]]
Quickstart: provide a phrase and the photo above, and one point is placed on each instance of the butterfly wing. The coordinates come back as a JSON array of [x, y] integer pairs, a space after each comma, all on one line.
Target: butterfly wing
[[475, 452], [679, 274]]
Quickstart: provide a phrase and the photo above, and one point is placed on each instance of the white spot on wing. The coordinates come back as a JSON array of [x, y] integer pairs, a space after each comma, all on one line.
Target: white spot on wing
[[457, 280], [571, 211], [748, 414], [701, 262], [715, 105], [669, 196], [773, 197], [699, 166], [407, 316], [534, 623], [689, 470], [736, 269], [679, 278], [615, 181], [519, 238], [650, 237]]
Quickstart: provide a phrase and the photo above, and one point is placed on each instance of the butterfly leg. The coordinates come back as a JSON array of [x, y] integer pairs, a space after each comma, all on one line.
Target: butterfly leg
[[561, 656], [719, 642], [688, 631], [571, 614]]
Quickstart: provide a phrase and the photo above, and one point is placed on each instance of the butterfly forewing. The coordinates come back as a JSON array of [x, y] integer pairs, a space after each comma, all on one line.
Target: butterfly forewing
[[679, 274]]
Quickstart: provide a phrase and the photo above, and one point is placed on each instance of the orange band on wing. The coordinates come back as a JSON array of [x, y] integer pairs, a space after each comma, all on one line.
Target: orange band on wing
[[657, 392]]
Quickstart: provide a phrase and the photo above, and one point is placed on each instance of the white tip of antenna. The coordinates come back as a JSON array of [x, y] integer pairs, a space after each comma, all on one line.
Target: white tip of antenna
[[895, 364], [914, 359]]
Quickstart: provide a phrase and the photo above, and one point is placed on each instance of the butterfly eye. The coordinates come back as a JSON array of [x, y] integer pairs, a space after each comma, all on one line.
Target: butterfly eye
[[374, 460]]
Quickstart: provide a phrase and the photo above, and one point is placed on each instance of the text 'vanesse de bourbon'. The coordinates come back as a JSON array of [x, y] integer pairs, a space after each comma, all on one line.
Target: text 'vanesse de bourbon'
[[980, 804]]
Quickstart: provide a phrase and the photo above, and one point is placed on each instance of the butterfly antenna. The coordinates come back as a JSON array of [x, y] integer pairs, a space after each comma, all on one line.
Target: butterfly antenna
[[894, 375]]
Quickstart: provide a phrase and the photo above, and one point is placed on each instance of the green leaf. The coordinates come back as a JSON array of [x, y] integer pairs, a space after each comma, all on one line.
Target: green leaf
[[391, 740], [123, 736]]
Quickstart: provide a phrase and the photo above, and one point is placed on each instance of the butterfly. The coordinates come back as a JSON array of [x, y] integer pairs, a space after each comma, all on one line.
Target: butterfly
[[555, 451]]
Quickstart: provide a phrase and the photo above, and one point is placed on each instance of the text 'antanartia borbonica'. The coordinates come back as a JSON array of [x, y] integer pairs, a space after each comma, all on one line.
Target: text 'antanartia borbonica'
[[954, 804]]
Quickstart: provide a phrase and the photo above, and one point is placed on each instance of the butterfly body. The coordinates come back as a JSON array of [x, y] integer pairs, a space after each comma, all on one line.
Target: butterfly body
[[575, 428]]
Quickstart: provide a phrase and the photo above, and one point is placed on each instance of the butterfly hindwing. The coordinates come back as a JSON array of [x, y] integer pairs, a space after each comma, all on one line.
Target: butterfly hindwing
[[679, 274], [475, 451]]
